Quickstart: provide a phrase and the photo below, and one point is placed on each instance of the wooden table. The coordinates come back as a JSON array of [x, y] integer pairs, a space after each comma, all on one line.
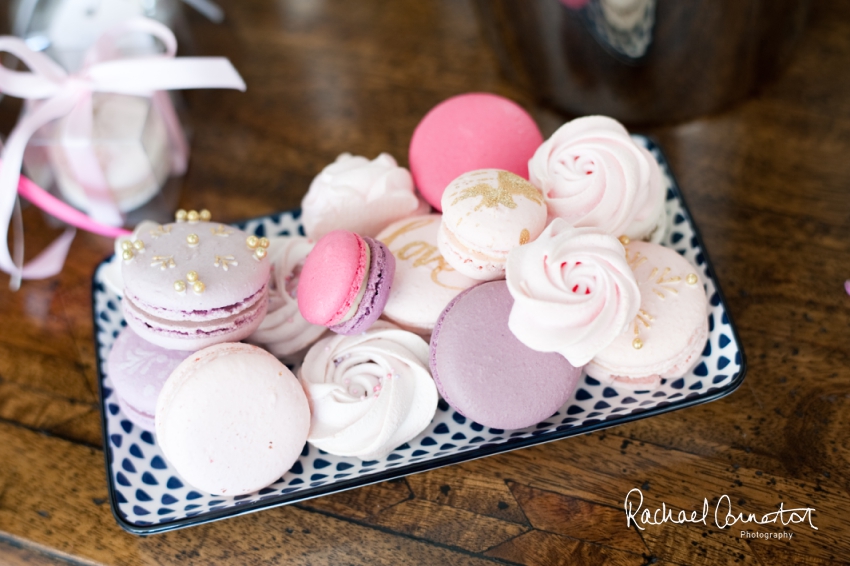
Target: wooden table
[[768, 183]]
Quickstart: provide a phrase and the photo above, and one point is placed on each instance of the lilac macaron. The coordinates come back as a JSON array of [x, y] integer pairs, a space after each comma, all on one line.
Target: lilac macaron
[[192, 284], [138, 370], [484, 372], [345, 282]]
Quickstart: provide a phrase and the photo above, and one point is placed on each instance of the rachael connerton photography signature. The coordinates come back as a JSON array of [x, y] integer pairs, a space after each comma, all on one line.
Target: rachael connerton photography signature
[[725, 515]]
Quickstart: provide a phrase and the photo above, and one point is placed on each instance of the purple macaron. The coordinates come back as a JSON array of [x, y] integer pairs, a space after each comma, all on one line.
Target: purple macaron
[[138, 370], [484, 372]]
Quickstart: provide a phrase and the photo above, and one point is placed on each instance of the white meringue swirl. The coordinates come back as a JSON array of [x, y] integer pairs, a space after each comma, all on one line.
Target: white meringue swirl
[[573, 292], [593, 174], [359, 195], [283, 331], [368, 393]]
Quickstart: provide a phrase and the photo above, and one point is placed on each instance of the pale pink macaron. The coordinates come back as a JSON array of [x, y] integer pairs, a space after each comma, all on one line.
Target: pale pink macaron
[[467, 132], [671, 328], [486, 214], [345, 282], [192, 284], [232, 419]]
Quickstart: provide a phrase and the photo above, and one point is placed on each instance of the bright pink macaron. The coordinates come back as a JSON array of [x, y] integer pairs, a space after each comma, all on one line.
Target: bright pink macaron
[[468, 132], [345, 282]]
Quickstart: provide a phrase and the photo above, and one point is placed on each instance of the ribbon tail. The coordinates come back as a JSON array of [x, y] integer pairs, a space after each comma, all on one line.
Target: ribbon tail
[[50, 261]]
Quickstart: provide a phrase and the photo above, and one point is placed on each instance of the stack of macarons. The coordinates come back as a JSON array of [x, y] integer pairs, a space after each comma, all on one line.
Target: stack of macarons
[[494, 273]]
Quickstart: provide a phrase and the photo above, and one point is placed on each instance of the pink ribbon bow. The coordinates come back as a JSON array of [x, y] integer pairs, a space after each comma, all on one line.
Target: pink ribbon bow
[[55, 94]]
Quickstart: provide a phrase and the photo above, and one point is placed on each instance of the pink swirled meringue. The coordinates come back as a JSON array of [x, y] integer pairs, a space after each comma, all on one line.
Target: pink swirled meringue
[[369, 392], [360, 196], [593, 174], [283, 331], [573, 291]]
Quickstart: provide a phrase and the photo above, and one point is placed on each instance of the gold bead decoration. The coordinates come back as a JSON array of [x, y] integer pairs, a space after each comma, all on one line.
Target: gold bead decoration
[[139, 245], [192, 276], [180, 286], [637, 343], [180, 215], [252, 242], [198, 287], [260, 253], [127, 255], [692, 279], [126, 245], [263, 242], [192, 239], [205, 215], [193, 216], [624, 240]]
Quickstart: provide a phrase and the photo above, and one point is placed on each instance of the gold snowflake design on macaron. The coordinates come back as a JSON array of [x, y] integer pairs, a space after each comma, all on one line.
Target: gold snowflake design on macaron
[[503, 194]]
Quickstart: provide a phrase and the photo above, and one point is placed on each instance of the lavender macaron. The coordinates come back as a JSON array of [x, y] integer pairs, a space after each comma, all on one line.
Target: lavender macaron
[[193, 283], [484, 372], [138, 370]]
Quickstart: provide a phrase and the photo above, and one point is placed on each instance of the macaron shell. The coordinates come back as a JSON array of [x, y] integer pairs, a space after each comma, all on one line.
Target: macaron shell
[[424, 282], [332, 277], [232, 419], [672, 325], [138, 370], [485, 373], [378, 288], [188, 335], [467, 132], [221, 259]]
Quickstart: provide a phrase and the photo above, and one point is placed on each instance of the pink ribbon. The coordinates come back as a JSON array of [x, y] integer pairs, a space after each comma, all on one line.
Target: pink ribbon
[[55, 94]]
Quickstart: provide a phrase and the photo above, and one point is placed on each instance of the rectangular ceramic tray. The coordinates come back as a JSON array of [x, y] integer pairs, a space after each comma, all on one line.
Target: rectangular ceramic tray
[[147, 496]]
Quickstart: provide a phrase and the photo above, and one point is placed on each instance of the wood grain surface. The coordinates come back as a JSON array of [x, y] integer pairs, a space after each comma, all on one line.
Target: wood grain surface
[[768, 182]]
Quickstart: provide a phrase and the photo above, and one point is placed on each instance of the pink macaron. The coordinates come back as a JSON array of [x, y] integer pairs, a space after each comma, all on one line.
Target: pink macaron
[[670, 330], [192, 284], [345, 282], [232, 419], [138, 370], [467, 132], [484, 372]]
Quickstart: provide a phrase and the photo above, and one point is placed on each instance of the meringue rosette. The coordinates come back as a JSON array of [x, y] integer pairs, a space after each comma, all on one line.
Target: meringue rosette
[[359, 195], [573, 291], [283, 331], [593, 174], [368, 393]]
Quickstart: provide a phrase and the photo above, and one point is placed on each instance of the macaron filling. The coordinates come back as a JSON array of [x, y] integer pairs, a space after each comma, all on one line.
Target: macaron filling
[[358, 287]]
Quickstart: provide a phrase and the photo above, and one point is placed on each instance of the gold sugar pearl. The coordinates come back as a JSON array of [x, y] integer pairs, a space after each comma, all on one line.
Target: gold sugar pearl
[[139, 245], [624, 240], [198, 287], [126, 245], [252, 242], [127, 255], [205, 215], [637, 343], [263, 242], [692, 279], [260, 253], [192, 276], [192, 239], [180, 286], [180, 215], [193, 216]]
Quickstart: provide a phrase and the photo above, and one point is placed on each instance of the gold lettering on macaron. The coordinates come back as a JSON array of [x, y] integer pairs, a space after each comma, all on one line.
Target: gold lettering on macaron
[[524, 236]]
